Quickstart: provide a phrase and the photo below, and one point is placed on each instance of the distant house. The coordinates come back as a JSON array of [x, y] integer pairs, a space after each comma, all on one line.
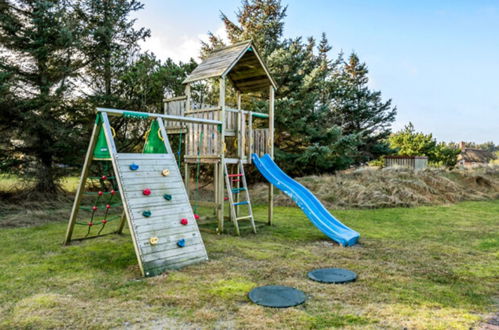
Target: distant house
[[414, 162], [470, 157]]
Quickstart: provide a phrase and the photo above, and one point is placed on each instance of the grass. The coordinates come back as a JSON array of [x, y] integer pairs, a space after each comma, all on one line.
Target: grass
[[369, 187], [427, 267]]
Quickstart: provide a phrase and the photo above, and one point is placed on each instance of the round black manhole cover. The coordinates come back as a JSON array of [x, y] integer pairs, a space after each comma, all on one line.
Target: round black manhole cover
[[332, 275], [277, 296]]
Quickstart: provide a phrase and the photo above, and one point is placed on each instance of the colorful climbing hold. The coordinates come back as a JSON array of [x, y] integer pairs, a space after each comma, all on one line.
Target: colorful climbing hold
[[113, 191], [226, 198], [94, 208], [196, 216], [181, 243], [90, 224], [103, 177], [146, 213], [153, 240], [167, 197], [184, 221], [146, 191], [100, 193], [104, 221], [165, 172], [108, 206], [134, 167]]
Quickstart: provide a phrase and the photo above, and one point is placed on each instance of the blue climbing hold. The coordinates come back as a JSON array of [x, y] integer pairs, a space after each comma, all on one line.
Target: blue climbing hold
[[181, 243], [134, 167], [167, 197], [146, 213]]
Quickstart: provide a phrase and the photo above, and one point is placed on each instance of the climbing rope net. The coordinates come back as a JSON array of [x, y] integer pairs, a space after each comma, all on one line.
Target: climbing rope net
[[102, 202]]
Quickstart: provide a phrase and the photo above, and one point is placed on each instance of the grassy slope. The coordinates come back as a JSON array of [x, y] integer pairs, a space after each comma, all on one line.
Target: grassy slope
[[427, 267]]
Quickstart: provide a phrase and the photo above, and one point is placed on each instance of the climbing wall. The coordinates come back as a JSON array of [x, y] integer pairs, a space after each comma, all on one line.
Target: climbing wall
[[165, 232]]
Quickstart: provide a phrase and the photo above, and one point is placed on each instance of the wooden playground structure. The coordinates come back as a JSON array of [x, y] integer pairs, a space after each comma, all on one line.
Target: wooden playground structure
[[154, 199], [234, 71]]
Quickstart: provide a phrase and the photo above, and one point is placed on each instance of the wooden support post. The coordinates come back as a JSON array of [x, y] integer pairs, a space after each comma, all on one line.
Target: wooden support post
[[83, 180], [215, 185], [220, 183], [187, 92], [122, 223], [240, 147], [271, 150]]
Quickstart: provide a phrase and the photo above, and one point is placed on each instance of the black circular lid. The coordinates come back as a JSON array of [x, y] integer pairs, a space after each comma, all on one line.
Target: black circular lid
[[277, 296]]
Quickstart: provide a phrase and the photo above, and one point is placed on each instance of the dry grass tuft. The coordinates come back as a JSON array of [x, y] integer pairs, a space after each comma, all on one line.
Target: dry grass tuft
[[395, 187]]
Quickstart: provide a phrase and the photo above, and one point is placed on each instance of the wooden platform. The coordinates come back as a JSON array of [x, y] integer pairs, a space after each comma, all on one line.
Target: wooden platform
[[164, 223]]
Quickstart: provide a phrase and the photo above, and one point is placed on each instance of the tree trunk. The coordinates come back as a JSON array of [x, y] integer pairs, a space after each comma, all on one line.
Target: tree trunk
[[45, 176]]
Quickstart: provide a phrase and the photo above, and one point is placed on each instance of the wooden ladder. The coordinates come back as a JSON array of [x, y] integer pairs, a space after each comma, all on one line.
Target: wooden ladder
[[235, 192]]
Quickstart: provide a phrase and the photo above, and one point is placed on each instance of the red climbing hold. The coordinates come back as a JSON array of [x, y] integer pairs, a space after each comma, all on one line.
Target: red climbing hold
[[100, 193], [104, 221], [113, 192], [184, 221], [146, 191], [226, 198], [196, 216], [90, 224], [108, 206], [103, 177], [94, 208]]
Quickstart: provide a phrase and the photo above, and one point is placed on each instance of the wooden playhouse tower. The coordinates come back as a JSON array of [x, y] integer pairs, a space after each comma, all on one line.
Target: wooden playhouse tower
[[231, 72]]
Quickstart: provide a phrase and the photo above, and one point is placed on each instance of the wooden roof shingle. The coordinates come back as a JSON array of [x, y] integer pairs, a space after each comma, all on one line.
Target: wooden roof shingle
[[239, 62]]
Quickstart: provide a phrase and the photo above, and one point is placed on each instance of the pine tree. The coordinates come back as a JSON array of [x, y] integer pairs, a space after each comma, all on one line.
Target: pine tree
[[41, 57], [111, 45], [359, 110], [259, 20]]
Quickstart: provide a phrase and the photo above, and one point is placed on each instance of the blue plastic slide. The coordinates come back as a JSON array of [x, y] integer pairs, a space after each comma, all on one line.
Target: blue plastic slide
[[310, 205]]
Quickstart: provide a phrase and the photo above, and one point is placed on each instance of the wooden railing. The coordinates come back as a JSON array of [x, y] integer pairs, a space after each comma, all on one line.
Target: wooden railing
[[203, 141]]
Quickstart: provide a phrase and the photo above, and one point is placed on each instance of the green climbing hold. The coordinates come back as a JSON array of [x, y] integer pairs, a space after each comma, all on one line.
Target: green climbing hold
[[167, 197], [146, 213]]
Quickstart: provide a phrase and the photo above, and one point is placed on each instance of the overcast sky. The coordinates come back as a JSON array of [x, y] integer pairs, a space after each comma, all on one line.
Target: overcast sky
[[437, 60]]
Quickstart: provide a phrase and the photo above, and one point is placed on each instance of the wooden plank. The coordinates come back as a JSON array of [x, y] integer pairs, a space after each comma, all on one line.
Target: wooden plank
[[188, 251]]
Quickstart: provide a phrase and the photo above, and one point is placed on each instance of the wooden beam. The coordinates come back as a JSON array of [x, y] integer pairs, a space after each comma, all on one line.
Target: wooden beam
[[271, 151], [83, 179], [220, 182]]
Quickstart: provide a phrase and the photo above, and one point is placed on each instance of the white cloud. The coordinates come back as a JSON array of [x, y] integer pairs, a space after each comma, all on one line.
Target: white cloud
[[165, 44]]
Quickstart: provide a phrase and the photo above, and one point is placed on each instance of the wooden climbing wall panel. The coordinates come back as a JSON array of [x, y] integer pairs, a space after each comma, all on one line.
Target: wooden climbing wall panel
[[161, 220]]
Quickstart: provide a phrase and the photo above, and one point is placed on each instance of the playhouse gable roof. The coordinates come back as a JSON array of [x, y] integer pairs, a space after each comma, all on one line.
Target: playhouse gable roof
[[240, 62]]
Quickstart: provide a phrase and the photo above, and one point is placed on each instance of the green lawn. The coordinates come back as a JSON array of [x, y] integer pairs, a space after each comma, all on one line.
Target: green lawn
[[426, 267]]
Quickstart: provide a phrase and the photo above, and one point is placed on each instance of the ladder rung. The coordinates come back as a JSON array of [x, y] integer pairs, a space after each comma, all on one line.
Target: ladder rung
[[241, 203], [236, 190], [234, 175], [245, 217], [235, 180]]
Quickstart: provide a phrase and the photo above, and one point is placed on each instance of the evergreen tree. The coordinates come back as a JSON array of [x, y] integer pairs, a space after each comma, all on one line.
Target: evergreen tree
[[359, 110], [146, 80], [408, 142], [259, 20], [111, 45], [40, 58]]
